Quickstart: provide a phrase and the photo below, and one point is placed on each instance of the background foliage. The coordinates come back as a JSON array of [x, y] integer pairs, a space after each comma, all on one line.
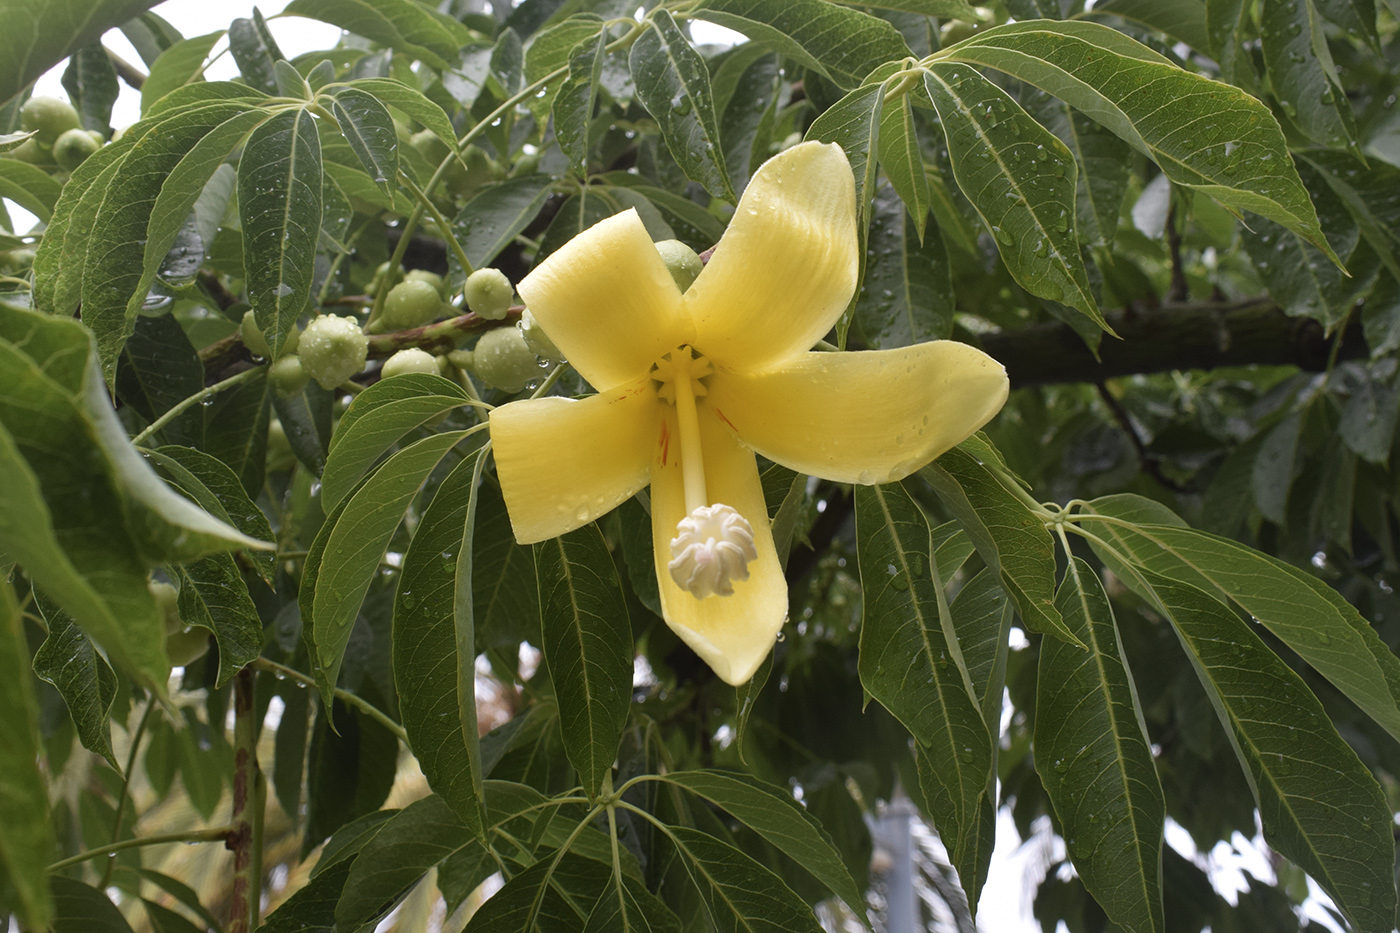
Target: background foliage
[[1158, 591]]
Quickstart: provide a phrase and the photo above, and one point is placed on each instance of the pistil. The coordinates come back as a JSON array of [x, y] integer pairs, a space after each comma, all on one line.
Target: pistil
[[713, 543]]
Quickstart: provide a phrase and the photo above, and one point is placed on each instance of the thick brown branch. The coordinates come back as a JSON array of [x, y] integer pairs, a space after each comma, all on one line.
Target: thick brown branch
[[1191, 336]]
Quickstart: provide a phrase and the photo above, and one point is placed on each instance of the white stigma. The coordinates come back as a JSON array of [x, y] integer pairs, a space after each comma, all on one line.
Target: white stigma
[[712, 547]]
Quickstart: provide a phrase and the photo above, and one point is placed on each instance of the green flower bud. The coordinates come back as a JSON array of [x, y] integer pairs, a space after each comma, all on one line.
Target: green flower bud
[[333, 349], [50, 117], [253, 338], [681, 261], [504, 360], [288, 376], [432, 278], [411, 360], [488, 293], [28, 151], [411, 303], [73, 147], [381, 272]]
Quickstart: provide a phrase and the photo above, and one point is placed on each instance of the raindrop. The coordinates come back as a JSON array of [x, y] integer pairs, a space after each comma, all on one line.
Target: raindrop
[[1003, 236]]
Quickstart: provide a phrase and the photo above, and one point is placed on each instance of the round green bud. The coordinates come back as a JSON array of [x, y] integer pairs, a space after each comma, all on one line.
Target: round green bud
[[504, 360], [280, 455], [19, 259], [537, 339], [49, 117], [432, 278], [488, 293], [288, 376], [253, 338], [681, 261], [28, 151], [411, 360], [333, 349], [381, 272], [411, 303], [73, 147]]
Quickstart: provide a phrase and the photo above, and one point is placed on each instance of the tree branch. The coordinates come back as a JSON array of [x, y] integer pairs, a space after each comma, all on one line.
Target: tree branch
[[245, 839], [1203, 335]]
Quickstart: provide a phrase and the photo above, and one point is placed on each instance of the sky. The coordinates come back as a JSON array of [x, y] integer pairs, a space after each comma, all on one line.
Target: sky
[[1005, 906]]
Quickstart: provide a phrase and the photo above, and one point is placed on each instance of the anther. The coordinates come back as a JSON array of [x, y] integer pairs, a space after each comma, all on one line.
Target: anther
[[712, 548]]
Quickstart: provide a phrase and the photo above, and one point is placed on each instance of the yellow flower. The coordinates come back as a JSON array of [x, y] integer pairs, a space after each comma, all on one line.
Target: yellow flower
[[691, 385]]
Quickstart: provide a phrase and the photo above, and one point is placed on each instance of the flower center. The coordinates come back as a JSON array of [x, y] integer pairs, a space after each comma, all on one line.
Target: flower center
[[713, 543]]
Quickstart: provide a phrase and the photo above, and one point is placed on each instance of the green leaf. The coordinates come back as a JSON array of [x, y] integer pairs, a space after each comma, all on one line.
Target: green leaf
[[982, 616], [356, 540], [26, 832], [177, 66], [1105, 158], [376, 420], [91, 83], [412, 102], [492, 219], [1009, 536], [1308, 615], [901, 159], [907, 295], [306, 423], [587, 644], [774, 814], [114, 273], [551, 896], [81, 908], [911, 662], [159, 368], [1239, 157], [1022, 181], [165, 920], [414, 840], [633, 907], [1276, 467], [577, 99], [1371, 193], [369, 130], [556, 49], [81, 675], [255, 51], [842, 44], [1302, 73], [1319, 804], [1093, 758], [505, 598], [738, 892], [1183, 20], [41, 33], [312, 909], [673, 83], [405, 26], [943, 9], [235, 430], [279, 204], [434, 651], [214, 595], [30, 187]]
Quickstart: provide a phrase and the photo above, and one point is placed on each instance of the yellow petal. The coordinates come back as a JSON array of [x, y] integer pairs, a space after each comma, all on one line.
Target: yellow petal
[[607, 301], [562, 463], [869, 417], [732, 634], [786, 268]]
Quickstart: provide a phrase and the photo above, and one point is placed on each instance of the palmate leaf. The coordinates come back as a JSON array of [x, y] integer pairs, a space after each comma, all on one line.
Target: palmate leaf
[[376, 420], [853, 123], [911, 663], [30, 187], [902, 160], [1007, 534], [280, 206], [1092, 755], [91, 82], [26, 832], [547, 897], [776, 816], [1309, 616], [843, 44], [1319, 804], [434, 651], [1021, 179], [1238, 156], [1105, 158], [351, 544], [673, 83], [588, 647], [81, 908], [214, 595], [555, 49], [412, 841], [403, 25]]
